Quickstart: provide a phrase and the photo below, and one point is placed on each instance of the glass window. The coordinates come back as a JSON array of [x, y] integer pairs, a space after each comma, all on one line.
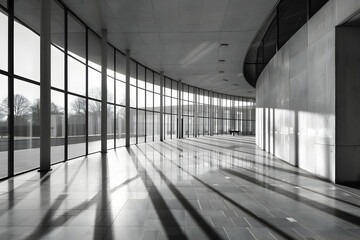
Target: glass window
[[167, 126], [94, 77], [174, 105], [57, 127], [206, 126], [156, 102], [110, 61], [174, 89], [120, 66], [76, 39], [4, 132], [94, 51], [57, 25], [149, 80], [167, 87], [141, 77], [191, 109], [141, 126], [191, 126], [76, 76], [292, 16], [156, 126], [149, 101], [132, 126], [120, 126], [270, 42], [26, 52], [185, 108], [156, 83], [191, 94], [141, 98], [57, 67], [149, 126], [3, 41], [120, 93], [132, 72], [167, 105], [28, 11], [132, 96], [26, 126], [76, 126], [240, 108], [185, 92], [174, 126], [110, 89], [110, 125], [94, 126], [185, 126], [200, 126]]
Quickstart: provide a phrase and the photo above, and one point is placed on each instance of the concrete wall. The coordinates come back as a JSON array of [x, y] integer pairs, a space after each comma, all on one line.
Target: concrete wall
[[295, 96], [348, 104]]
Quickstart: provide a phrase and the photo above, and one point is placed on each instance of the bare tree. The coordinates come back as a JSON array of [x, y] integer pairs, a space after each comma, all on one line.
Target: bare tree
[[94, 107], [95, 93], [56, 110], [79, 106], [120, 113], [35, 109], [21, 106], [4, 108]]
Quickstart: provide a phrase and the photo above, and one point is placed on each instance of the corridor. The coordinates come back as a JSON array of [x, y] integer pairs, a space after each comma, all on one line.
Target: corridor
[[219, 187]]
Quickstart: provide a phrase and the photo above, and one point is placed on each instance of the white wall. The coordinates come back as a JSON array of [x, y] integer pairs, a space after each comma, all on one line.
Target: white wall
[[295, 94]]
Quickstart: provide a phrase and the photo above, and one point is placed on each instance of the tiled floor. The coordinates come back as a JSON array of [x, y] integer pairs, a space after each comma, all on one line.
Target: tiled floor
[[218, 187]]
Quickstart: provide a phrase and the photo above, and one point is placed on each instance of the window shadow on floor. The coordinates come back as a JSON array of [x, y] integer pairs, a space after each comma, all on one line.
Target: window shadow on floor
[[206, 228], [317, 205], [231, 201], [276, 179], [168, 221], [295, 172], [101, 199]]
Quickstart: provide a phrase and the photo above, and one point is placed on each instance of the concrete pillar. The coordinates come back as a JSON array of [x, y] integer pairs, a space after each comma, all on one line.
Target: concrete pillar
[[127, 99], [180, 131], [45, 87], [161, 106], [103, 91], [232, 116], [211, 112]]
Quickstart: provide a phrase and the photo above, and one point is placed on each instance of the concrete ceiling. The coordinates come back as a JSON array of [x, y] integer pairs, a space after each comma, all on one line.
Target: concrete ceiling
[[182, 37]]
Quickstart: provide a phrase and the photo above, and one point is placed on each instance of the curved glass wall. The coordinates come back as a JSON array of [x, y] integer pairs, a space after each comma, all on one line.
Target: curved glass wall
[[285, 20], [76, 94]]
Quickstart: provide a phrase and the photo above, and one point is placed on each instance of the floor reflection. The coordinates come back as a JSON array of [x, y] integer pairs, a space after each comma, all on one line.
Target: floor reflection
[[220, 187]]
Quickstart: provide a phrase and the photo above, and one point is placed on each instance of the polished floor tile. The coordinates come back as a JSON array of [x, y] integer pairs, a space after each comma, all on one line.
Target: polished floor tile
[[219, 187]]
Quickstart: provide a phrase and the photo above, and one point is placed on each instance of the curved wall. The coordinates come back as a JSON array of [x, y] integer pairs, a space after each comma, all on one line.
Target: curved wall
[[295, 94]]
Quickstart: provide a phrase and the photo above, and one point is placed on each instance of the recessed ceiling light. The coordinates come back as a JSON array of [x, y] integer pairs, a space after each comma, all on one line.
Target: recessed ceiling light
[[221, 71], [224, 44], [221, 60]]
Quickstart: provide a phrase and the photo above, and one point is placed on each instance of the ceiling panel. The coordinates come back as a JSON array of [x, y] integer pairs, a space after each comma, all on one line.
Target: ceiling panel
[[183, 37]]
